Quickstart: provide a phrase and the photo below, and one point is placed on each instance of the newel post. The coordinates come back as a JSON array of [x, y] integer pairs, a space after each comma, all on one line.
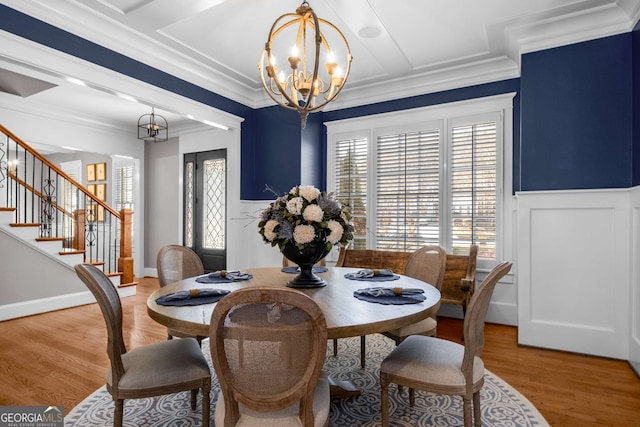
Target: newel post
[[78, 230], [125, 262]]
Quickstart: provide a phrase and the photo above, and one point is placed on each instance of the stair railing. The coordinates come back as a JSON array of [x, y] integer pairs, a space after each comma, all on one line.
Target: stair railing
[[45, 196]]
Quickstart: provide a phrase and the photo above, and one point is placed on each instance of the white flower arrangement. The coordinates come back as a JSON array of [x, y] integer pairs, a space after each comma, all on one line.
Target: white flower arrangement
[[306, 216]]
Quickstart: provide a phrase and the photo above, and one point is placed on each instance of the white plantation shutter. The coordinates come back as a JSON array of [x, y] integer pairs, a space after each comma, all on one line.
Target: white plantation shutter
[[473, 188], [123, 175], [123, 186], [407, 190], [433, 174], [350, 185]]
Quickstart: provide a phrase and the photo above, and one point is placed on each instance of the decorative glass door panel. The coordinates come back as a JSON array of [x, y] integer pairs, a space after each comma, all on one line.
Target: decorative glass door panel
[[205, 202], [214, 204]]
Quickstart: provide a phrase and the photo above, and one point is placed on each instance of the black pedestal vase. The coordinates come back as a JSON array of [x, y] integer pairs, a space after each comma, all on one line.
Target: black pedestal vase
[[306, 259]]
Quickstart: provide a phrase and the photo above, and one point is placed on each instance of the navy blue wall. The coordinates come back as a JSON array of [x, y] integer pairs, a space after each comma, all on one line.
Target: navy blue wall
[[635, 174], [577, 116]]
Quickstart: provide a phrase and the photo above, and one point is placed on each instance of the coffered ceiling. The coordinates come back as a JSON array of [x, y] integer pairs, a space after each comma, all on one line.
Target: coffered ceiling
[[400, 48]]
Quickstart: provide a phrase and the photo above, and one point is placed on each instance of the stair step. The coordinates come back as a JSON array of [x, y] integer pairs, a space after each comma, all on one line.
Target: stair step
[[24, 224], [96, 263], [124, 285], [7, 209], [50, 239], [70, 252]]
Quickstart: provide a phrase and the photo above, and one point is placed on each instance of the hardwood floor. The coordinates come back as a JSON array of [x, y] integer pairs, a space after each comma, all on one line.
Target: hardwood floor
[[59, 358]]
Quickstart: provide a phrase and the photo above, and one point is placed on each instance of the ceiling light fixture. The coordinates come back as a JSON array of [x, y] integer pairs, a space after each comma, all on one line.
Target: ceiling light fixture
[[153, 127], [308, 86]]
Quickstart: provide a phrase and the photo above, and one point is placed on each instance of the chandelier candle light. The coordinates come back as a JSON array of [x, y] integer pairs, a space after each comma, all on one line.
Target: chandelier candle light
[[308, 86]]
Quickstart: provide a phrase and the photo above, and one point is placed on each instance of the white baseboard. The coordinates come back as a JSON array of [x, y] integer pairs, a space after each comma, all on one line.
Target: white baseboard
[[60, 302], [150, 272]]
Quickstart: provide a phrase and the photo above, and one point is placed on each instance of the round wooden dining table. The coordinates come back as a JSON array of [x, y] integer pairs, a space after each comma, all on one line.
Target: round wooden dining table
[[346, 316]]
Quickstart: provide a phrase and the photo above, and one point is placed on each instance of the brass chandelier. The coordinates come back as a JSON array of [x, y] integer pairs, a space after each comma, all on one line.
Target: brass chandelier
[[302, 84]]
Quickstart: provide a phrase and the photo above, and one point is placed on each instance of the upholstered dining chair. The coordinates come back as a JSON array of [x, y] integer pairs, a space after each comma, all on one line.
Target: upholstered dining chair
[[268, 346], [174, 263], [442, 366], [426, 264], [152, 370]]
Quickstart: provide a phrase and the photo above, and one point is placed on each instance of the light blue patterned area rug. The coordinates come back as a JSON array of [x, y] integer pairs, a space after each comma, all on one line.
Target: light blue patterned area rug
[[501, 404]]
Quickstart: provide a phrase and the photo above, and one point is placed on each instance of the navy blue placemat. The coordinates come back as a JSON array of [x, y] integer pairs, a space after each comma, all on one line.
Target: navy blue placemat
[[353, 276], [388, 297], [192, 297], [295, 269], [231, 276]]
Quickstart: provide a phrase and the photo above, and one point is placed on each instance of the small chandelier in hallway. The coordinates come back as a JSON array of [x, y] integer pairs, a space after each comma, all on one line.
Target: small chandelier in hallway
[[153, 127], [315, 60]]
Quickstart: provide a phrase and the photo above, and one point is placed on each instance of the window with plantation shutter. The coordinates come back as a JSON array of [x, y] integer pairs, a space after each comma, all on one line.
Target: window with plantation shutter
[[473, 188], [123, 195], [425, 176], [350, 183], [407, 190]]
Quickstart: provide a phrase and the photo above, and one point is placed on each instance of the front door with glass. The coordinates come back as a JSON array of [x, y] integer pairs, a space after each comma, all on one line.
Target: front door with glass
[[205, 207]]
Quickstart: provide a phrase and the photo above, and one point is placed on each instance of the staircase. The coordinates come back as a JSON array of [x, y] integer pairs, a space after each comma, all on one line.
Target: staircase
[[48, 224]]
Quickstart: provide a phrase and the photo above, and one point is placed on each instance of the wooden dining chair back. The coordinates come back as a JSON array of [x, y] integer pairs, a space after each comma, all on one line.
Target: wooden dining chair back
[[426, 264], [152, 370], [268, 346], [175, 263], [372, 259], [442, 366]]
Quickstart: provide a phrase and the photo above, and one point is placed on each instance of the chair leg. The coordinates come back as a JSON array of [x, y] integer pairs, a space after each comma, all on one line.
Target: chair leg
[[194, 399], [118, 412], [384, 399], [476, 409], [335, 346], [206, 403], [466, 405], [363, 350]]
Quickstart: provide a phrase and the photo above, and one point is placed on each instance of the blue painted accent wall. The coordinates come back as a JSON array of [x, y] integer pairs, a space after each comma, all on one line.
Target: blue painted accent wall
[[313, 157], [577, 116], [635, 173], [276, 149]]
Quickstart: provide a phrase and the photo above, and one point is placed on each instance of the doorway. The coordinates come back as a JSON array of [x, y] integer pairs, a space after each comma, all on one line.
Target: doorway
[[205, 202]]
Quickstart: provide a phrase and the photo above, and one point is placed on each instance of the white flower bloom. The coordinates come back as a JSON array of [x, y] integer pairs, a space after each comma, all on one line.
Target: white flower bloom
[[304, 234], [309, 192], [313, 213], [269, 234], [336, 231], [294, 206]]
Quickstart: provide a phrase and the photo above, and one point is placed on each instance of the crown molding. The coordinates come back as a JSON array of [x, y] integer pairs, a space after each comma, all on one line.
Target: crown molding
[[508, 41], [112, 35]]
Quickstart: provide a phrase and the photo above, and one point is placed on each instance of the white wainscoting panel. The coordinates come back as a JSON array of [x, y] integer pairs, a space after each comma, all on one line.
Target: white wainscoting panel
[[574, 271], [634, 336]]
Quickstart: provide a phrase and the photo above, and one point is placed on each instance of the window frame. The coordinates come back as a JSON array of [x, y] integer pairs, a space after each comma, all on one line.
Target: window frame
[[450, 114]]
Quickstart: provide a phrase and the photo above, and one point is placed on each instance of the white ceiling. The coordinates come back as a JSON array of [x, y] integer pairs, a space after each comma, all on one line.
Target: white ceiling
[[423, 45]]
